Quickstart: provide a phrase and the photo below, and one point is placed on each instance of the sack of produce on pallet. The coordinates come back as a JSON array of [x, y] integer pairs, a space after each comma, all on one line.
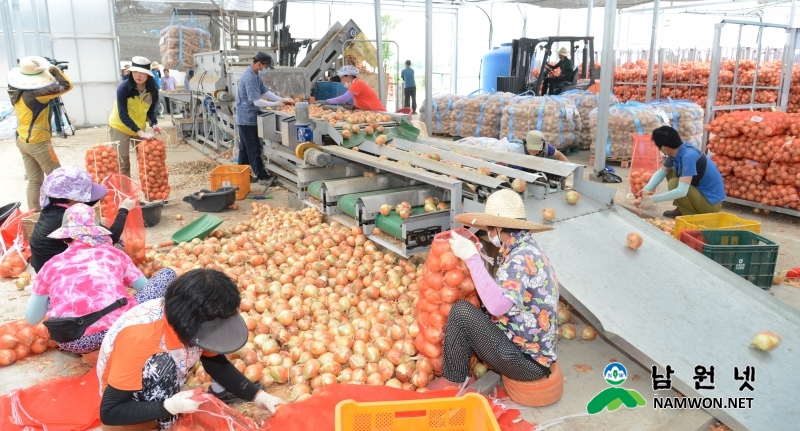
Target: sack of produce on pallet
[[624, 121], [584, 101], [480, 115], [685, 116], [443, 118], [554, 116], [446, 280], [179, 43]]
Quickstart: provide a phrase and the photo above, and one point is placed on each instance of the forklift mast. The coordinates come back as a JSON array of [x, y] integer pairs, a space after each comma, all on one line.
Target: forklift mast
[[287, 47], [524, 59]]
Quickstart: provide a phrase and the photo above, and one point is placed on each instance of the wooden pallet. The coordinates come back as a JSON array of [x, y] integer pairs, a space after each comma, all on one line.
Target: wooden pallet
[[624, 163], [568, 151]]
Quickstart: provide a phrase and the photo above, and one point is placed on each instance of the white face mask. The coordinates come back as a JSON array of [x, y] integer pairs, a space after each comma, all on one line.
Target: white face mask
[[496, 240], [346, 84]]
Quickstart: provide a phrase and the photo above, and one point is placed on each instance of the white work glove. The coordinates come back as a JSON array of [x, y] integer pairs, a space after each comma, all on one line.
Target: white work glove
[[266, 401], [157, 129], [128, 204], [42, 63], [182, 402], [646, 202], [144, 135], [462, 247]]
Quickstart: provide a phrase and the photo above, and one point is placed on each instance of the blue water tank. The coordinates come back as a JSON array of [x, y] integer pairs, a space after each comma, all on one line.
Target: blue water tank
[[496, 62]]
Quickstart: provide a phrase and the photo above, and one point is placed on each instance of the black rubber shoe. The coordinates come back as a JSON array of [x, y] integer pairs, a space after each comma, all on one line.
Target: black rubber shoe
[[229, 397], [672, 213]]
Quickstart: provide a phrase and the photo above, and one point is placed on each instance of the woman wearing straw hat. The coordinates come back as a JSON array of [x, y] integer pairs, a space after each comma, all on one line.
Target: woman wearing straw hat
[[137, 97], [90, 275], [517, 338], [31, 86]]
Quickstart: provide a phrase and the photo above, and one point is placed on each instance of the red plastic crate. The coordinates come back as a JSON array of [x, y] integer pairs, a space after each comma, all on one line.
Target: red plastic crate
[[694, 239]]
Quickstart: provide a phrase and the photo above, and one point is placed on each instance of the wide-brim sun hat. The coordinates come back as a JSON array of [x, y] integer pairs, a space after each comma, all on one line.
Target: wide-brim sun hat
[[563, 51], [140, 64], [347, 71], [534, 140], [79, 220], [222, 336], [69, 182], [504, 209], [154, 65], [27, 75]]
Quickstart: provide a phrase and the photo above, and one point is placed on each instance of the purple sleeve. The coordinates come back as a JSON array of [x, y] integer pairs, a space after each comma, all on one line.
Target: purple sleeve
[[490, 293], [346, 97]]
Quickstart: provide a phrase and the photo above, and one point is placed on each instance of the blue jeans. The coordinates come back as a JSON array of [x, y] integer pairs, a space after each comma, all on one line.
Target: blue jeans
[[250, 151]]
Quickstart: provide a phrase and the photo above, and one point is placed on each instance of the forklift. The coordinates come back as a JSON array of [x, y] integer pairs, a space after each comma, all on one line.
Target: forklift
[[523, 61]]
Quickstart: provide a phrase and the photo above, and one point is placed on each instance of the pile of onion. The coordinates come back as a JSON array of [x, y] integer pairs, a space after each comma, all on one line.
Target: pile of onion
[[18, 340], [323, 305], [153, 174]]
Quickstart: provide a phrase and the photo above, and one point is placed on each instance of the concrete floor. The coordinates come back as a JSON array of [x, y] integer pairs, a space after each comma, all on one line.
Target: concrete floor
[[582, 361]]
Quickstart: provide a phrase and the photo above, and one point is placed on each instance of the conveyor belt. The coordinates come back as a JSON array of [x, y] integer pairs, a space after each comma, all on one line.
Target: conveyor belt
[[347, 203], [393, 224], [315, 189]]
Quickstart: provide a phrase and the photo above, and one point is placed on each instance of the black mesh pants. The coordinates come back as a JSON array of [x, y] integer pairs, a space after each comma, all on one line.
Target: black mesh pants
[[471, 330]]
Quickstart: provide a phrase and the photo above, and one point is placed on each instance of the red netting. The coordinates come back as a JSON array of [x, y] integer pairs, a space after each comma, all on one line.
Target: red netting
[[213, 414], [445, 281], [153, 176], [14, 249], [120, 188], [102, 161], [645, 161], [62, 404]]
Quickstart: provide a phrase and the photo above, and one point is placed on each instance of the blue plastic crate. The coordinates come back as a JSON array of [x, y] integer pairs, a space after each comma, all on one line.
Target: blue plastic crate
[[328, 90]]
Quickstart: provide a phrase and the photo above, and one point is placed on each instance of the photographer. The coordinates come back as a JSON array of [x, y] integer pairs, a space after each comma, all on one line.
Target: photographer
[[31, 86]]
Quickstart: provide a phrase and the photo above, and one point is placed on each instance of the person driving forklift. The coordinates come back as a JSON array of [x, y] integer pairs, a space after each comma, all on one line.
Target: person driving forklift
[[564, 65]]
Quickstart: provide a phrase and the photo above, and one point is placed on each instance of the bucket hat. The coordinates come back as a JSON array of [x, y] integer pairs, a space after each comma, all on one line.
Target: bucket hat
[[504, 208], [534, 141], [69, 182], [80, 222]]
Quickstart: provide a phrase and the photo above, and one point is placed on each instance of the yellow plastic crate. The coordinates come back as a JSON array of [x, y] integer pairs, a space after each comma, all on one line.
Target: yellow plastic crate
[[470, 412], [720, 221], [232, 176]]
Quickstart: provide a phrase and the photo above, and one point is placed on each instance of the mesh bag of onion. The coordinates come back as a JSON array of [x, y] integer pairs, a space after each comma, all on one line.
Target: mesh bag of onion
[[102, 161], [14, 249], [213, 414], [624, 121], [685, 116], [554, 116], [443, 108], [153, 174], [480, 115], [584, 101], [446, 280], [645, 161], [120, 188]]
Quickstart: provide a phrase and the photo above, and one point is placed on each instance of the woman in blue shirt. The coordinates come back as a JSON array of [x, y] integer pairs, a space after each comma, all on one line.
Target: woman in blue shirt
[[695, 184]]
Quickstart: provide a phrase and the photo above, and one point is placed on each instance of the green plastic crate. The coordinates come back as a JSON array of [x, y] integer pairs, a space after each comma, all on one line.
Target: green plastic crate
[[747, 254]]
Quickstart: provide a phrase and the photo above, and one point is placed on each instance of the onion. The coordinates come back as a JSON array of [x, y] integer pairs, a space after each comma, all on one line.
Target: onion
[[357, 361], [7, 357], [588, 333], [8, 341], [375, 379], [564, 316], [549, 214], [266, 380], [634, 240], [568, 331], [253, 372], [572, 197], [394, 383], [765, 340], [479, 369], [26, 336], [279, 373], [420, 378]]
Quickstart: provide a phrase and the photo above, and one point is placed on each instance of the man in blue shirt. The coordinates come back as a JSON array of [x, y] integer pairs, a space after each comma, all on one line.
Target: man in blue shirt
[[253, 94], [409, 87], [695, 184]]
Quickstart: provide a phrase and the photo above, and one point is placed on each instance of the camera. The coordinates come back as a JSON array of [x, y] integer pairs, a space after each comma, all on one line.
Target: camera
[[62, 65]]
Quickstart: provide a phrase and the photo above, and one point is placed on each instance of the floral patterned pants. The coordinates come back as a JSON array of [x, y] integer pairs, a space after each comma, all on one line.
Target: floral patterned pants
[[159, 382], [156, 287], [470, 330]]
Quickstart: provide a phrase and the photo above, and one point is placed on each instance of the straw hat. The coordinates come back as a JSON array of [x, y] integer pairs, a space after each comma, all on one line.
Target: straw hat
[[140, 64], [563, 51], [504, 208], [32, 73], [534, 141], [154, 65]]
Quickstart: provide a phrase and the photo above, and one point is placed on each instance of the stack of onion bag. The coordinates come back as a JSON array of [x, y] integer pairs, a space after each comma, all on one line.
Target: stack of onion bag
[[625, 120], [443, 120], [584, 101], [685, 116], [479, 115], [554, 116], [179, 44]]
